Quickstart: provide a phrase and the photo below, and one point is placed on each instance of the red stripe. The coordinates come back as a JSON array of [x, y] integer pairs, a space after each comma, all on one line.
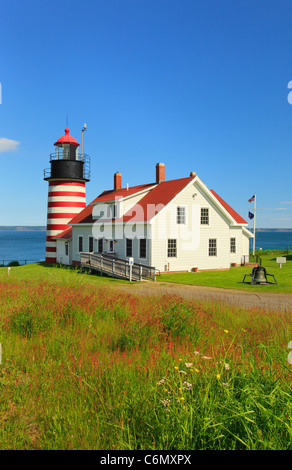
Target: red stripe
[[50, 260], [66, 193], [66, 204], [65, 183], [57, 227], [51, 248], [59, 215], [49, 238]]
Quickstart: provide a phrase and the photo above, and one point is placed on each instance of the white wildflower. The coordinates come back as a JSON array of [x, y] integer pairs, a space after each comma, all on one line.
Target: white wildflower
[[187, 385], [188, 364], [160, 382], [165, 402]]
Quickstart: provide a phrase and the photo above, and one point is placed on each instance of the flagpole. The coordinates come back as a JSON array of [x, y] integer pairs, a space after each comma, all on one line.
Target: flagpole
[[254, 223]]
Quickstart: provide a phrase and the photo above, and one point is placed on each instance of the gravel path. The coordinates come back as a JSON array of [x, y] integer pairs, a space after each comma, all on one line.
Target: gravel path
[[266, 301]]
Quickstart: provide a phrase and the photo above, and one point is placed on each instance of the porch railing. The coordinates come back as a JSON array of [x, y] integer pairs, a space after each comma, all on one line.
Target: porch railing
[[117, 267]]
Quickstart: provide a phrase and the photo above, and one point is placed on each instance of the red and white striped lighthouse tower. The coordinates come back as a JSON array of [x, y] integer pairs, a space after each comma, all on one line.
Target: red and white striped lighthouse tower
[[69, 172]]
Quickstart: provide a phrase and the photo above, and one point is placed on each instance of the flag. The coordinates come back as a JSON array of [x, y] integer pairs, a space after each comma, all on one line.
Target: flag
[[251, 199], [250, 215]]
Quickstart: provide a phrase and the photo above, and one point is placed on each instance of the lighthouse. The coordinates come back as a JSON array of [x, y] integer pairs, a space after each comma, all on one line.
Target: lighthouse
[[69, 171]]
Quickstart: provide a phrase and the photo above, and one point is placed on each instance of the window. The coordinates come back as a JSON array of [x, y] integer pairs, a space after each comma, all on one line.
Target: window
[[171, 248], [90, 244], [67, 248], [142, 247], [111, 246], [204, 216], [109, 211], [181, 215], [212, 247], [80, 243], [129, 247], [232, 245], [100, 245], [112, 211]]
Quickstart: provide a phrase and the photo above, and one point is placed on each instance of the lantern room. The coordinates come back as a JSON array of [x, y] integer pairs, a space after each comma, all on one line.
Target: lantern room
[[67, 161]]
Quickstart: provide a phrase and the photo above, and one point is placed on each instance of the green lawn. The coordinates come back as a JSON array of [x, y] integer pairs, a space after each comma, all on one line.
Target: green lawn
[[232, 278], [227, 279], [38, 272]]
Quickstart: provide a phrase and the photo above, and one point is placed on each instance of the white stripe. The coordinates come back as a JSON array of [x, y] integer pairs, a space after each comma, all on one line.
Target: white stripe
[[66, 199], [64, 210], [52, 233], [50, 244], [58, 221], [60, 187], [49, 254]]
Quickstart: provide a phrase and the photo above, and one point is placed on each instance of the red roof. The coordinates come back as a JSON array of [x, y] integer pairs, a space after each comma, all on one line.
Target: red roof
[[147, 207], [231, 211], [157, 197], [66, 234], [84, 216], [66, 139], [112, 195], [155, 200]]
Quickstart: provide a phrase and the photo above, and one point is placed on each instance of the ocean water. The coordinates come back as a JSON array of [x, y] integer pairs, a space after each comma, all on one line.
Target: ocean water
[[30, 246], [272, 241], [22, 246]]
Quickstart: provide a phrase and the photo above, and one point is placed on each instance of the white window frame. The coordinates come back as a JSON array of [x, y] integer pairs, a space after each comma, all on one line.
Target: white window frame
[[126, 250], [201, 216], [232, 246], [181, 218], [80, 237], [171, 248], [143, 257], [102, 243], [89, 237], [212, 247]]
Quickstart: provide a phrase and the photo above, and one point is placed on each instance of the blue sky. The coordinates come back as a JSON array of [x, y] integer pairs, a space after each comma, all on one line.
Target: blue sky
[[198, 85]]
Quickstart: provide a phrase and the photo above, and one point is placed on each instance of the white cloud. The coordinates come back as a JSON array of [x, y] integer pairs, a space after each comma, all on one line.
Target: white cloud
[[283, 218], [8, 145], [273, 208]]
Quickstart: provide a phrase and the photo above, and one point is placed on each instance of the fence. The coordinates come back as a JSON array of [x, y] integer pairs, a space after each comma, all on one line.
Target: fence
[[19, 262]]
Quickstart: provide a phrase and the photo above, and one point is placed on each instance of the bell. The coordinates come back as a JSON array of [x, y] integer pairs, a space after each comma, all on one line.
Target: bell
[[259, 275]]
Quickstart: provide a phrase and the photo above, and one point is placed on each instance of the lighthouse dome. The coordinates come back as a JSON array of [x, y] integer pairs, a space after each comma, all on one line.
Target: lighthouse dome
[[66, 139]]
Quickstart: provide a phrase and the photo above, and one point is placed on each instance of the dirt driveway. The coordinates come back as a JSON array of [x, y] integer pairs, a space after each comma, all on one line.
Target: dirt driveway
[[266, 301]]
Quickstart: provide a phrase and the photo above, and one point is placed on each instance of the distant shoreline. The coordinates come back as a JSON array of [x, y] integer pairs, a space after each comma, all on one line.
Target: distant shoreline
[[23, 228], [30, 228]]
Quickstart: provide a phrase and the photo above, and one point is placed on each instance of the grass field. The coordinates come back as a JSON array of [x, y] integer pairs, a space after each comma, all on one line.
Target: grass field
[[85, 366], [232, 278]]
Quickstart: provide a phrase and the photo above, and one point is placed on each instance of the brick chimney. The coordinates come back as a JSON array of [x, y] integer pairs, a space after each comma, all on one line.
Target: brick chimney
[[117, 181], [160, 172]]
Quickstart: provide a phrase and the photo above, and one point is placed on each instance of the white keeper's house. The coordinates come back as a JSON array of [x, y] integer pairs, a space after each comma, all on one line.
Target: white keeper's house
[[176, 225]]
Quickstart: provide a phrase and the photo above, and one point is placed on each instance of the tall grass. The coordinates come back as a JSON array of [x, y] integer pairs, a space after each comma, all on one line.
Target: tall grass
[[85, 367]]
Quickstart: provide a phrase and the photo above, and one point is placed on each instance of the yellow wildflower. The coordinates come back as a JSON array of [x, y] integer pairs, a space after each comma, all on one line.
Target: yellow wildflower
[[218, 376]]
